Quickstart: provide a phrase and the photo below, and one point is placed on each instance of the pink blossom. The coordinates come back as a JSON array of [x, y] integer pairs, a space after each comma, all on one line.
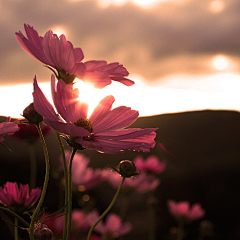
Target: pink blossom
[[151, 165], [103, 131], [79, 226], [60, 54], [18, 199], [7, 128], [141, 183], [82, 175], [182, 210], [113, 226]]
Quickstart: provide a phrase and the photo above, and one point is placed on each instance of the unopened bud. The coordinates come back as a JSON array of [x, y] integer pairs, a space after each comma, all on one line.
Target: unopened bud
[[42, 232], [127, 168], [31, 114]]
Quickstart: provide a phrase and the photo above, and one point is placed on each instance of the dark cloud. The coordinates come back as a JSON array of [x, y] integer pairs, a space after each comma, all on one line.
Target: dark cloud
[[169, 38]]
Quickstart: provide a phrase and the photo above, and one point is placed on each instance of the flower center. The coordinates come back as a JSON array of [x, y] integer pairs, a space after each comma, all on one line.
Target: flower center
[[85, 123], [66, 77]]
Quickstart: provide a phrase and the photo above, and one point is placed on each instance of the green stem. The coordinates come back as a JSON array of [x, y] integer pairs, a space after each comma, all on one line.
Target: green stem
[[44, 190], [180, 230], [66, 184], [16, 228], [124, 206], [152, 220], [107, 210], [15, 215], [70, 193], [33, 166]]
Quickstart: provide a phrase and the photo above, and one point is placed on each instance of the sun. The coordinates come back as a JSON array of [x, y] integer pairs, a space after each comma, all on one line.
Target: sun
[[220, 62], [59, 30]]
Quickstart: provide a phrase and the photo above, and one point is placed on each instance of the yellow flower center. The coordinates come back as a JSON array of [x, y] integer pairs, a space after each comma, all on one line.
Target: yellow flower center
[[84, 123]]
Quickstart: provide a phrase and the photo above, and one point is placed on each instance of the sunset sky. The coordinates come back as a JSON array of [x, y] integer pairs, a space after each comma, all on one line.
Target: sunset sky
[[183, 54]]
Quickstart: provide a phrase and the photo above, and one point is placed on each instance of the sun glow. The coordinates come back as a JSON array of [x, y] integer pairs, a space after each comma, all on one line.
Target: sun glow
[[220, 62], [141, 3], [59, 30], [172, 94], [223, 63], [216, 6]]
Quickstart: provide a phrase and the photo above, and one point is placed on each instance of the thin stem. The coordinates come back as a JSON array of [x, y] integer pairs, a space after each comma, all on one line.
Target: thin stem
[[124, 206], [70, 193], [16, 228], [44, 190], [66, 184], [33, 165], [152, 220], [107, 210], [180, 230], [15, 215]]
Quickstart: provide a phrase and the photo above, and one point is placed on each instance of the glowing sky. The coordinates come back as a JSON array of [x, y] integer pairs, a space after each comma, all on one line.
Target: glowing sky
[[183, 54]]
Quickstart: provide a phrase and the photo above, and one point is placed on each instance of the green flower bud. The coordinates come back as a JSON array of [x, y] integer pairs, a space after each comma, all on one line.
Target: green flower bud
[[42, 232], [127, 168], [31, 114]]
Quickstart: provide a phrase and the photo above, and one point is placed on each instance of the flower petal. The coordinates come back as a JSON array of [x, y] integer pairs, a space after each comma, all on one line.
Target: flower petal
[[102, 109], [67, 103], [118, 118], [41, 104], [32, 45], [58, 51], [67, 128]]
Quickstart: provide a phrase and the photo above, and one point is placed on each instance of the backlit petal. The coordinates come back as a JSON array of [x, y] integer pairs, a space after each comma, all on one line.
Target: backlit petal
[[41, 104]]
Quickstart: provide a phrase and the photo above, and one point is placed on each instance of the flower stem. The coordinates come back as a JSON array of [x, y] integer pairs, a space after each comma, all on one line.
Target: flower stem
[[16, 228], [107, 210], [151, 202], [124, 206], [66, 185], [180, 230], [70, 193], [36, 211], [15, 215]]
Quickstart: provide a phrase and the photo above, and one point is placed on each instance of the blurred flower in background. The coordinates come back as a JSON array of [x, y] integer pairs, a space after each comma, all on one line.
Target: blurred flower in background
[[112, 228], [7, 128], [184, 212], [152, 165], [18, 199], [84, 177], [141, 183]]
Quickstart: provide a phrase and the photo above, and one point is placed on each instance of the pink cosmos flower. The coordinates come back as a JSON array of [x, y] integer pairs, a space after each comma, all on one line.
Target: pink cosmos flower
[[18, 199], [151, 165], [82, 175], [182, 210], [7, 128], [58, 53], [112, 228], [103, 131], [79, 226], [141, 183]]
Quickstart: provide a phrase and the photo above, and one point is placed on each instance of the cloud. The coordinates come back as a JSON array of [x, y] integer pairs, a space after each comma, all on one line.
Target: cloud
[[173, 37]]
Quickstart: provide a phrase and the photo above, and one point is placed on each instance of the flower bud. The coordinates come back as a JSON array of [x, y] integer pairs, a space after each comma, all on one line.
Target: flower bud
[[31, 114], [206, 228], [127, 168], [42, 232], [71, 141]]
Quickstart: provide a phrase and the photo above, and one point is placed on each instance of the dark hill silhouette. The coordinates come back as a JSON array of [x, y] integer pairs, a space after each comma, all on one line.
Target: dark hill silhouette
[[204, 166]]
